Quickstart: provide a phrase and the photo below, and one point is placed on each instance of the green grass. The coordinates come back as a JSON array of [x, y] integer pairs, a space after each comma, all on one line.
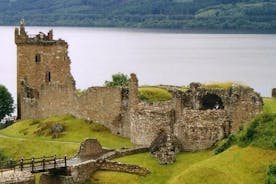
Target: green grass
[[76, 130], [234, 166], [154, 94], [221, 85], [16, 149], [270, 105], [261, 132], [159, 173]]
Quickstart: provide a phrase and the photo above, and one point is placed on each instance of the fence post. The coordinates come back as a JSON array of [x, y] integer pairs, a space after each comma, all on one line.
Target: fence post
[[33, 164], [55, 161], [10, 163], [65, 161], [43, 163], [21, 164]]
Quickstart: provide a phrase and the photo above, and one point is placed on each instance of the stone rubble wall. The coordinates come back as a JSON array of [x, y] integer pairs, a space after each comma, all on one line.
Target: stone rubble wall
[[120, 167], [83, 171], [147, 121], [16, 177], [123, 152], [102, 105], [199, 130]]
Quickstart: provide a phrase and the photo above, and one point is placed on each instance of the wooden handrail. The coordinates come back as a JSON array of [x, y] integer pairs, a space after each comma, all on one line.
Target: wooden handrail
[[34, 164]]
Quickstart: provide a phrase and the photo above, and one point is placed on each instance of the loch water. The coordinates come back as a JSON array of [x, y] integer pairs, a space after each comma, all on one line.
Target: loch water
[[156, 56]]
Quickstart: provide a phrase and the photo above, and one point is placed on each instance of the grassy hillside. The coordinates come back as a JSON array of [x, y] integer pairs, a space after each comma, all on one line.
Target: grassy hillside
[[234, 166], [33, 137], [250, 15], [159, 173], [75, 130]]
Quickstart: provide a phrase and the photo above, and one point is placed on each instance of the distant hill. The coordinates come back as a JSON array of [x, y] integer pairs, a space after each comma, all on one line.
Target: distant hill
[[236, 15]]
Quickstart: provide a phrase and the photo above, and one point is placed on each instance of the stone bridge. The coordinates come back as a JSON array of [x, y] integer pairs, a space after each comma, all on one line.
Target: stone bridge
[[90, 158]]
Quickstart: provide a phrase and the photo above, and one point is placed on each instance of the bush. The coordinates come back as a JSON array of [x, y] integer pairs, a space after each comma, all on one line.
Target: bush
[[6, 102], [271, 174], [118, 79], [261, 132], [246, 136], [226, 144]]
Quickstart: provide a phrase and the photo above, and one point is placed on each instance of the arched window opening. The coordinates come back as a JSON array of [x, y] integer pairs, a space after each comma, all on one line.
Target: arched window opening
[[48, 77], [211, 101]]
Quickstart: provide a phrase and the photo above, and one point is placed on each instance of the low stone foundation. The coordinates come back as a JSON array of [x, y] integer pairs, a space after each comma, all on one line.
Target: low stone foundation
[[120, 167], [17, 177], [123, 152]]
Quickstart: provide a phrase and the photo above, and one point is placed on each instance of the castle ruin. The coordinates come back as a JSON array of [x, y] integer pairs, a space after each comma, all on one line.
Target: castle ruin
[[198, 117]]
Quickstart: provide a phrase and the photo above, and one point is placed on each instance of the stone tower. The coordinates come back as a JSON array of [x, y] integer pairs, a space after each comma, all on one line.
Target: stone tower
[[41, 60]]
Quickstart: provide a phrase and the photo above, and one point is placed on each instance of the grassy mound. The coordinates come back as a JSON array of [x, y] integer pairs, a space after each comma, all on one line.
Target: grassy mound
[[23, 140], [159, 173], [261, 132], [154, 94], [234, 166], [75, 130]]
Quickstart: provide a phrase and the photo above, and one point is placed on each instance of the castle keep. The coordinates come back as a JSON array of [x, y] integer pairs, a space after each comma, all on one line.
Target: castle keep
[[198, 117]]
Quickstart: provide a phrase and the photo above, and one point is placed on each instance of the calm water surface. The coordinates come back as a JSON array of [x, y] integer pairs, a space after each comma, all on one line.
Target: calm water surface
[[156, 57]]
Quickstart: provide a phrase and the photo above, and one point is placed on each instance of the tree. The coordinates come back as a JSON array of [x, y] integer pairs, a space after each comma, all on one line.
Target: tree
[[118, 79], [6, 102]]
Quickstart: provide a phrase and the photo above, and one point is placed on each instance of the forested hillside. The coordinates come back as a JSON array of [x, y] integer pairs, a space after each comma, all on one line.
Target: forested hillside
[[240, 15]]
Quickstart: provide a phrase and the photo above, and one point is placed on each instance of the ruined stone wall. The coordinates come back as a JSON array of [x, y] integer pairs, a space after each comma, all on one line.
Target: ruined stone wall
[[241, 103], [120, 167], [245, 104], [99, 104], [17, 177], [273, 93], [201, 129], [193, 117], [195, 129], [102, 105], [147, 121], [83, 171]]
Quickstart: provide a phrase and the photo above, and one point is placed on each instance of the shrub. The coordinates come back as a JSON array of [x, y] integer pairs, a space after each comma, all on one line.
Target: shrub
[[246, 136], [226, 144], [118, 79], [261, 132], [271, 174], [6, 102]]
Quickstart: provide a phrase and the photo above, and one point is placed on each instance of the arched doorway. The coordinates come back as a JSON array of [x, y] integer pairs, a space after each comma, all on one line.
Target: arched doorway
[[211, 101]]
